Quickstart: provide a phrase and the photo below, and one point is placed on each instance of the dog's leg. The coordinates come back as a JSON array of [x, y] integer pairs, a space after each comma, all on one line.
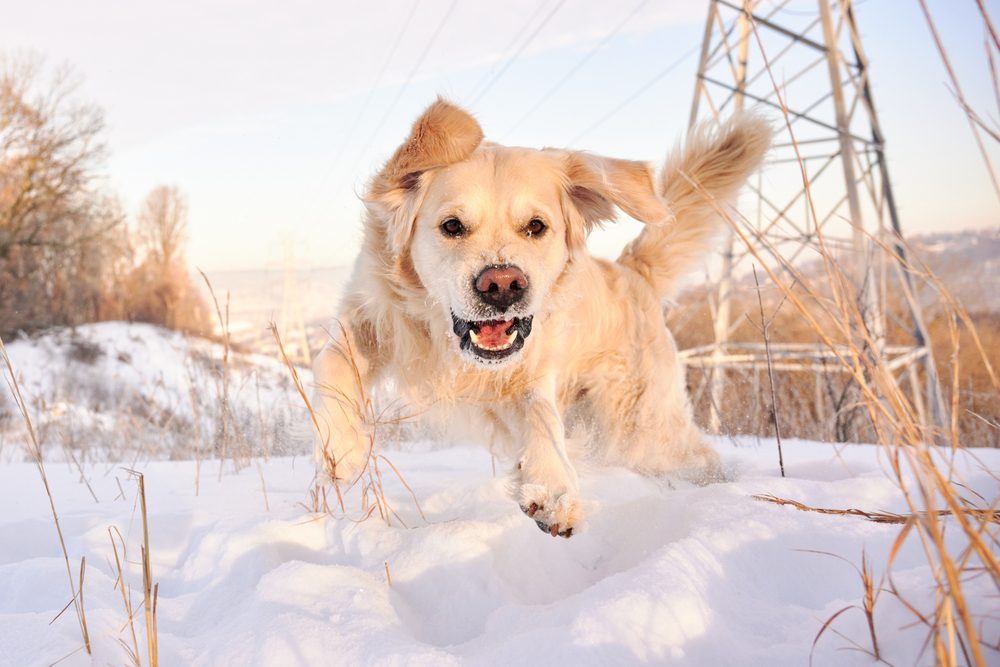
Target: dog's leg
[[645, 419], [546, 483], [341, 410]]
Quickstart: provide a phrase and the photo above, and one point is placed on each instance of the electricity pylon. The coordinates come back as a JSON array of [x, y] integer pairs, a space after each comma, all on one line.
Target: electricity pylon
[[806, 61]]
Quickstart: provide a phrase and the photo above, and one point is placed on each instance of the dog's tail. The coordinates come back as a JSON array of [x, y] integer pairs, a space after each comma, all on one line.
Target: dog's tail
[[698, 180]]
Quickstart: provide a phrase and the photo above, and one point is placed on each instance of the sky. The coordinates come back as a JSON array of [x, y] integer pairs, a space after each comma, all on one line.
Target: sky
[[270, 117]]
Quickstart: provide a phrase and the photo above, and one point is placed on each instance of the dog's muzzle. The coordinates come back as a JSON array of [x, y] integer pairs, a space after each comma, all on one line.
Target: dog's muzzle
[[492, 340]]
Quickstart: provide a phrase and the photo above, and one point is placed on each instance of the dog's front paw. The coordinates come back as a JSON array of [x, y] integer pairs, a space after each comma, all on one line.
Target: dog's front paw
[[554, 513]]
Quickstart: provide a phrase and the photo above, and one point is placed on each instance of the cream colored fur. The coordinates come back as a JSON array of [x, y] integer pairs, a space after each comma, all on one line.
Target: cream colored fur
[[598, 353]]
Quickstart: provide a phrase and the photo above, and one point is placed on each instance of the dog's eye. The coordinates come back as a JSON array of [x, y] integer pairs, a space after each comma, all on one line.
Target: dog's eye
[[535, 227], [452, 227]]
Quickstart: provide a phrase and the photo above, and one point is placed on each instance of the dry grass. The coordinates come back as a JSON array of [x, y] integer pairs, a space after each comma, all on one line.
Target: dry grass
[[870, 596], [263, 486], [915, 468], [915, 464], [976, 122], [223, 443], [818, 407], [132, 650], [76, 590], [764, 328], [150, 590], [877, 517], [318, 492], [929, 483], [88, 417], [369, 486]]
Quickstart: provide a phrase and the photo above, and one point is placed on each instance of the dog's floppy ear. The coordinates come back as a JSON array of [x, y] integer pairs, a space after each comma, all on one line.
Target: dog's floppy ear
[[443, 135], [595, 185]]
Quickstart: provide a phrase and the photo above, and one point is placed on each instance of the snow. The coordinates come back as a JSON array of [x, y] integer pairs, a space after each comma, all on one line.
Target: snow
[[94, 389], [664, 572]]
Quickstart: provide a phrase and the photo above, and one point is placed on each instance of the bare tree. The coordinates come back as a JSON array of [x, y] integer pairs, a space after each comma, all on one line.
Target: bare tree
[[163, 224], [161, 290], [66, 256], [50, 151], [55, 222]]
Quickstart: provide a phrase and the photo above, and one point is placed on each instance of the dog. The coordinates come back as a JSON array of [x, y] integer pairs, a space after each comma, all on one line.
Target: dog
[[475, 296]]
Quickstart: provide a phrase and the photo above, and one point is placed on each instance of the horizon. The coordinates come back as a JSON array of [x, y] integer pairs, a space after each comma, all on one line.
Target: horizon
[[280, 266]]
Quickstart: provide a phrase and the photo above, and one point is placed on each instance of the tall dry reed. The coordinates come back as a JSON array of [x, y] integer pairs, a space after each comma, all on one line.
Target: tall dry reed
[[924, 472], [76, 590]]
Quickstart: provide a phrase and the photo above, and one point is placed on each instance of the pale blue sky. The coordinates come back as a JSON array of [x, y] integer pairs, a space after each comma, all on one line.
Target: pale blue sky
[[248, 106]]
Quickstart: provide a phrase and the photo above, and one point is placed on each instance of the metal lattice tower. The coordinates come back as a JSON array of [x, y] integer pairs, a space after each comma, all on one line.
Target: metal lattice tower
[[809, 58]]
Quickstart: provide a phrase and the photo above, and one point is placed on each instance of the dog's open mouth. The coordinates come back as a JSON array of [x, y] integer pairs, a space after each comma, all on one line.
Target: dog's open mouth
[[492, 339]]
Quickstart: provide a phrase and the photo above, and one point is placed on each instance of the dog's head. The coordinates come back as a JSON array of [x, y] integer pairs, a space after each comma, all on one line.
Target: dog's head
[[489, 230]]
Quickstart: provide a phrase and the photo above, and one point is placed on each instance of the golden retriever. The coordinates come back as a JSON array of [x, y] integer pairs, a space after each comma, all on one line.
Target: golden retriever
[[474, 295]]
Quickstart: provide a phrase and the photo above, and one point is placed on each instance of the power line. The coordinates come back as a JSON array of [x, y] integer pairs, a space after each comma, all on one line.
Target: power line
[[583, 61], [628, 100], [520, 50], [406, 83], [339, 154], [510, 45], [378, 80]]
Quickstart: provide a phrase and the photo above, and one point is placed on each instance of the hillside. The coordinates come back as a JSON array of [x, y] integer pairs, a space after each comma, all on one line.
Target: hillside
[[968, 263], [116, 391]]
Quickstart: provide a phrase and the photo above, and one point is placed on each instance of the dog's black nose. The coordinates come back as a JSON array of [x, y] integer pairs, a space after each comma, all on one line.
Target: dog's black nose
[[501, 286]]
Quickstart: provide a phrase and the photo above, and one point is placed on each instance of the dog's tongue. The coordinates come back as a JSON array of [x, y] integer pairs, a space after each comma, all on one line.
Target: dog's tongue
[[493, 334]]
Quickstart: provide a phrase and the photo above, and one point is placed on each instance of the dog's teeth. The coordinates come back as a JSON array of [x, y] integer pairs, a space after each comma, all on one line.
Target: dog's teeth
[[474, 337]]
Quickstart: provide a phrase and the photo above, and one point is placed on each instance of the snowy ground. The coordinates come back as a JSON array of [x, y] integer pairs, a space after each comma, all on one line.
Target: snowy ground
[[687, 575], [135, 392], [248, 575]]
